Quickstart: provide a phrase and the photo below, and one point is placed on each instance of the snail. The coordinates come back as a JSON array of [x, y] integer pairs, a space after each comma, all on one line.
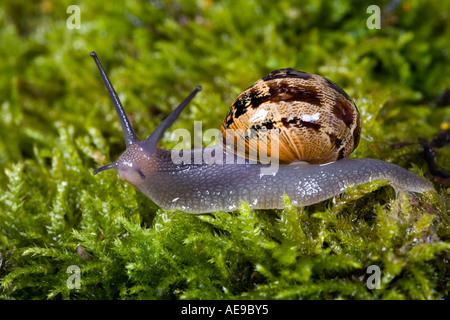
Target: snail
[[310, 168]]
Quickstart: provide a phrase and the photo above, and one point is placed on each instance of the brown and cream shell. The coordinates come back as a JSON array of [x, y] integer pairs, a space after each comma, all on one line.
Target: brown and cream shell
[[314, 120]]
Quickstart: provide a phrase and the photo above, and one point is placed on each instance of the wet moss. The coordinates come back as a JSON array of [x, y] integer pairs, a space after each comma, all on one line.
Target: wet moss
[[58, 124]]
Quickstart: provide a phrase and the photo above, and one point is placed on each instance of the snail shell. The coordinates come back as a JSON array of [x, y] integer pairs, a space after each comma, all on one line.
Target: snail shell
[[314, 120]]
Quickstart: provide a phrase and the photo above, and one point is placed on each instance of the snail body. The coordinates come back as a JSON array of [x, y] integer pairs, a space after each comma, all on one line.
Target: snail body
[[233, 177]]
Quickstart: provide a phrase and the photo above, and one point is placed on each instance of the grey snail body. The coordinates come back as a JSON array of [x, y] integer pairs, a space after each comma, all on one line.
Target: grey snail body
[[207, 186]]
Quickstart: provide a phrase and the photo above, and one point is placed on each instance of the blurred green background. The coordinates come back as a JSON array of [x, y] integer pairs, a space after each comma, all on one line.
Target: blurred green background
[[57, 124]]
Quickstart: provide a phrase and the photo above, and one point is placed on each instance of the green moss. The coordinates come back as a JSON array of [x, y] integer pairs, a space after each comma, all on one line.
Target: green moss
[[58, 124]]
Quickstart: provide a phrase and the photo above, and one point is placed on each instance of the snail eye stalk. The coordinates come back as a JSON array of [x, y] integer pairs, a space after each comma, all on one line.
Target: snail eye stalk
[[152, 141], [127, 129]]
